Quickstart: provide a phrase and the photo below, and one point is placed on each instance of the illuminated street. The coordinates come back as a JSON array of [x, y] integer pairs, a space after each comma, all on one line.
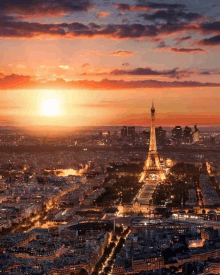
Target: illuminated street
[[145, 195]]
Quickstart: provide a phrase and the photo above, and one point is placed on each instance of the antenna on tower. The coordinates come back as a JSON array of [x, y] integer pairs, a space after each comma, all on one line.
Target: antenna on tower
[[152, 108]]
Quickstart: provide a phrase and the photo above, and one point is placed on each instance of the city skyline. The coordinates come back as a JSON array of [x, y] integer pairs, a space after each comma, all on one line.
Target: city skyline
[[94, 63]]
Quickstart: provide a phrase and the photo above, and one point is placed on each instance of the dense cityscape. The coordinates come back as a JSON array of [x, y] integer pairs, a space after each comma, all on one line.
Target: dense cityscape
[[111, 200]]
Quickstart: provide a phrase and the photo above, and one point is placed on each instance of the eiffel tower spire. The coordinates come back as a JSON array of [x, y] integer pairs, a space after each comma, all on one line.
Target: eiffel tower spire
[[152, 164], [153, 144]]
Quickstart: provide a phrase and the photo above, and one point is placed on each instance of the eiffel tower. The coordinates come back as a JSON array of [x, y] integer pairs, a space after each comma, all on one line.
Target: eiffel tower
[[152, 167]]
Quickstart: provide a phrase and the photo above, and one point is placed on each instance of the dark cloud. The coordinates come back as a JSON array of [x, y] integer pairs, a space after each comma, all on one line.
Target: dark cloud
[[43, 7], [21, 29], [86, 65], [188, 50], [123, 7], [17, 28], [128, 31], [215, 71], [212, 41], [205, 73], [125, 64], [166, 6], [161, 44], [183, 50], [125, 20], [25, 82], [208, 28], [94, 26], [177, 28], [144, 71], [7, 18], [148, 6], [121, 53], [174, 73], [172, 16], [121, 84], [183, 39], [172, 13]]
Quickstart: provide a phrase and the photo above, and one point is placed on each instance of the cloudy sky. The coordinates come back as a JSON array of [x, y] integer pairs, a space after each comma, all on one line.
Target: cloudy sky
[[104, 61]]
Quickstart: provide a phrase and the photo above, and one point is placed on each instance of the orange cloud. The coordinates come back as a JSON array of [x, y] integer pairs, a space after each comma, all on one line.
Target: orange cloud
[[15, 81], [121, 53], [103, 14]]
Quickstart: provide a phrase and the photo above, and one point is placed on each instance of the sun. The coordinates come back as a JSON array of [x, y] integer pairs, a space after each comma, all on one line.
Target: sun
[[51, 107]]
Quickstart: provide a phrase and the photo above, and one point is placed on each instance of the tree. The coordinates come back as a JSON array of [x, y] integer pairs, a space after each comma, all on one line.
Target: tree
[[83, 272], [107, 269], [168, 253], [173, 269]]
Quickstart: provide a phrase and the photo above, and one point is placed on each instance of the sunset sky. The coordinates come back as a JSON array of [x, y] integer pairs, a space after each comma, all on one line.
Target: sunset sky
[[103, 62]]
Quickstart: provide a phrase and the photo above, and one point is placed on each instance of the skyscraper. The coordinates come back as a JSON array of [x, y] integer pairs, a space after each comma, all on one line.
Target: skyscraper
[[187, 135], [177, 132], [124, 131], [131, 131], [196, 134], [160, 134]]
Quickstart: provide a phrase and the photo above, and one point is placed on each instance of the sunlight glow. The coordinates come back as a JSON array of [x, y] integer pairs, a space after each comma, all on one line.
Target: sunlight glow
[[51, 107]]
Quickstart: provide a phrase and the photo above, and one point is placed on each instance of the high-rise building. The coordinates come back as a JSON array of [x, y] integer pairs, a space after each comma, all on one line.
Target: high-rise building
[[91, 164], [196, 134], [145, 135], [177, 132], [187, 135], [124, 131], [160, 134], [212, 140], [131, 131]]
